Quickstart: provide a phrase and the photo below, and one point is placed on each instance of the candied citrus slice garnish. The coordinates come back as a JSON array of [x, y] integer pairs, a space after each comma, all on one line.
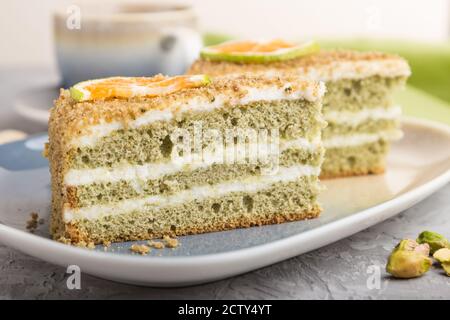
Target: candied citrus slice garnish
[[258, 51], [127, 87]]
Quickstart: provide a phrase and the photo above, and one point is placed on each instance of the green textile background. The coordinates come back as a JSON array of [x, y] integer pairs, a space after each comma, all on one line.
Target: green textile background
[[428, 92]]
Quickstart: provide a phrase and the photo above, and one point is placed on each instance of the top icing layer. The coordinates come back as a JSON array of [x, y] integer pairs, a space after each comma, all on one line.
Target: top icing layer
[[327, 65], [81, 121], [199, 104]]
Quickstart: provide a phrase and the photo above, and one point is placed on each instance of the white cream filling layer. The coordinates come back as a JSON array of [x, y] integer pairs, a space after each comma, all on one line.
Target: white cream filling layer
[[361, 138], [198, 104], [356, 118], [127, 172], [338, 70], [360, 69], [254, 184]]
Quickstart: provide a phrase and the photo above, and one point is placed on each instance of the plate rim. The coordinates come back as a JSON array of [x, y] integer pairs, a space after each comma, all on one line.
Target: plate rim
[[232, 262]]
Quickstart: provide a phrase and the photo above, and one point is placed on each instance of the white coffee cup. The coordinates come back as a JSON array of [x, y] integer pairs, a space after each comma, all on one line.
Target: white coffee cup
[[137, 38]]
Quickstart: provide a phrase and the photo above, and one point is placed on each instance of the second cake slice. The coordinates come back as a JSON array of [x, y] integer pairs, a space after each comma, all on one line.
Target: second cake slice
[[358, 106]]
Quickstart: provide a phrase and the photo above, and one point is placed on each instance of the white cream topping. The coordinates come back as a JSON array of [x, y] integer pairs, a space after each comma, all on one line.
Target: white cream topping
[[350, 70], [361, 138], [128, 172], [275, 93], [254, 184], [198, 104], [355, 118], [357, 70]]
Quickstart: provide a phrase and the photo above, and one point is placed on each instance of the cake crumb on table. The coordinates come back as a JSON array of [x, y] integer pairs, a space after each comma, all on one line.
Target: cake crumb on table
[[32, 223], [170, 242], [140, 248], [156, 244]]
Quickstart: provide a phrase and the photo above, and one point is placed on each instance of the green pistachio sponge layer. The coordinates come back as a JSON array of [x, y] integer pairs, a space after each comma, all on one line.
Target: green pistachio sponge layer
[[280, 203]]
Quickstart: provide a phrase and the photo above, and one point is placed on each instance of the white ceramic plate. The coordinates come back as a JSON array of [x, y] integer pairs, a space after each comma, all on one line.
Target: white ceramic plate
[[418, 165]]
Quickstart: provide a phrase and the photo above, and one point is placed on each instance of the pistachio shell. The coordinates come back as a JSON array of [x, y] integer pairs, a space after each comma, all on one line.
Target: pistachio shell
[[442, 255], [435, 240]]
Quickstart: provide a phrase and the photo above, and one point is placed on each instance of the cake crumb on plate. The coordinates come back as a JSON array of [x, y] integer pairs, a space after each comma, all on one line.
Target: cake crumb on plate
[[84, 244], [156, 244], [170, 242], [140, 248]]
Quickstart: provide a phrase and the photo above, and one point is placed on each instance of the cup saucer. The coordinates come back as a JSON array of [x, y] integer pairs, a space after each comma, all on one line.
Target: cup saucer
[[34, 104]]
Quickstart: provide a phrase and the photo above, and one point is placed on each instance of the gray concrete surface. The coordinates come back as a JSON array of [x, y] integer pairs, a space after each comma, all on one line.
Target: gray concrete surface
[[337, 271]]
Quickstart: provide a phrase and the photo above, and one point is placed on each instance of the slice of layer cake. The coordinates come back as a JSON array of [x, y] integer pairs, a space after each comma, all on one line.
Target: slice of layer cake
[[358, 106], [140, 158]]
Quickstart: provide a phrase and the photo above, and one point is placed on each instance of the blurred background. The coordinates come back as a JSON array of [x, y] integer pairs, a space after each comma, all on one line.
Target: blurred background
[[37, 55], [27, 37]]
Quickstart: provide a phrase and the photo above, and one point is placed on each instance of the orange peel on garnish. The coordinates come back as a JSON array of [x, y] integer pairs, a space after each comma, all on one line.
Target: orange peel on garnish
[[128, 87], [258, 51]]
